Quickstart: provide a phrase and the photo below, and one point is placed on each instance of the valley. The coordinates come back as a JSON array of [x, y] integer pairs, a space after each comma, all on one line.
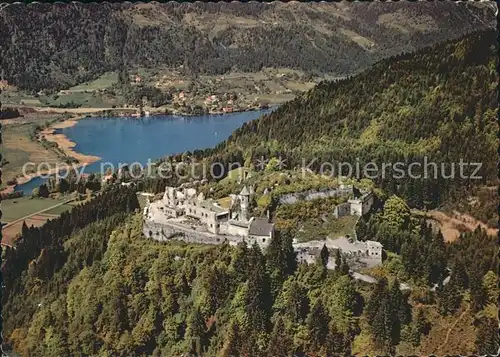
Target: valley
[[172, 93]]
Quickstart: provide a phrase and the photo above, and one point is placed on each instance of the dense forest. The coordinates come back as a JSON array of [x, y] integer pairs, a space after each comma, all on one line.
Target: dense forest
[[41, 248], [55, 46], [90, 284], [117, 293], [430, 106]]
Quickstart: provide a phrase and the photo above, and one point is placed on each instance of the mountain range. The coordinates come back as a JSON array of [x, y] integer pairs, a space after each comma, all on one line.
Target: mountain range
[[55, 46]]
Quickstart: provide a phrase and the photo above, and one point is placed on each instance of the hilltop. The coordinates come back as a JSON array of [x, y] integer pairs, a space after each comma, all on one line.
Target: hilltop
[[57, 46]]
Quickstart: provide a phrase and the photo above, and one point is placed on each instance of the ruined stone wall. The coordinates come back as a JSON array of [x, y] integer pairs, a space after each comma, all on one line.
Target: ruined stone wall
[[342, 210], [236, 230], [314, 194], [304, 255], [166, 232]]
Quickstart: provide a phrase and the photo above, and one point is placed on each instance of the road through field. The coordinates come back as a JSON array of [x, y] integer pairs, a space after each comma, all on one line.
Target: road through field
[[32, 215], [39, 212]]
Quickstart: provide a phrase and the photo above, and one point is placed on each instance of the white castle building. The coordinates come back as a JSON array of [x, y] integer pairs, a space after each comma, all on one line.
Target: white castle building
[[199, 220], [184, 214]]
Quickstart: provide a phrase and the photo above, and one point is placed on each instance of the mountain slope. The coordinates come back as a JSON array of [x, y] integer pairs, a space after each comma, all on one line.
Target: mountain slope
[[59, 45], [437, 103]]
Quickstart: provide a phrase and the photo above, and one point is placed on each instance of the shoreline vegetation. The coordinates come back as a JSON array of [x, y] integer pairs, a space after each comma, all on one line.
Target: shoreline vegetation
[[66, 146], [134, 112]]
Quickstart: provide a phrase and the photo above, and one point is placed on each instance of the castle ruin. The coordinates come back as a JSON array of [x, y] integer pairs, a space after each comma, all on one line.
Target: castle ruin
[[184, 211]]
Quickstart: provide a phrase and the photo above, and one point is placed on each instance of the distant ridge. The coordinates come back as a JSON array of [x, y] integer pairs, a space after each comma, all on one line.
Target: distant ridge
[[59, 45]]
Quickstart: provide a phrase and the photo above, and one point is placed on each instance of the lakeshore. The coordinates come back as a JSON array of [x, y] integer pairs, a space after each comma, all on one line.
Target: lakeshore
[[105, 140], [66, 145]]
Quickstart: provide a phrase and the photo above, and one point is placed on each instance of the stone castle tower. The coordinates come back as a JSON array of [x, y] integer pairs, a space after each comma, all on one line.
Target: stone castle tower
[[244, 197]]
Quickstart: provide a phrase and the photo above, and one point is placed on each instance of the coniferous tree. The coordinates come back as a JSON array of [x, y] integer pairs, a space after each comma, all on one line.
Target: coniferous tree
[[449, 298], [234, 343], [338, 259], [24, 230], [240, 262], [421, 323], [43, 191], [279, 341], [459, 274], [477, 291], [196, 332], [376, 298], [317, 324], [290, 254], [277, 262], [487, 338], [396, 308], [324, 256], [258, 299], [436, 262], [381, 325], [344, 267]]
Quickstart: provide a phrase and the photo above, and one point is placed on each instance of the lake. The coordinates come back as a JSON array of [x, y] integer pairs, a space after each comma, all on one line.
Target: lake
[[126, 140]]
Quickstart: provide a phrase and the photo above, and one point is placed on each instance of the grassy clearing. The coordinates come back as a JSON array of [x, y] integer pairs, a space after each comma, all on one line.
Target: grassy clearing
[[360, 40], [103, 82], [60, 209], [14, 96], [18, 149], [342, 226], [17, 208], [225, 202], [332, 228], [83, 99], [232, 176]]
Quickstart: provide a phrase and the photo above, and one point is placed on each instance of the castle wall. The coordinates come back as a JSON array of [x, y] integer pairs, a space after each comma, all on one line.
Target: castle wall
[[163, 233], [342, 210], [356, 208], [292, 198], [172, 212], [232, 229], [205, 215], [374, 250], [260, 239]]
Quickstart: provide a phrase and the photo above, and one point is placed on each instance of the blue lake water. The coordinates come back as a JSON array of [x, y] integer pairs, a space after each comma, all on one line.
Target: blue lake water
[[127, 140]]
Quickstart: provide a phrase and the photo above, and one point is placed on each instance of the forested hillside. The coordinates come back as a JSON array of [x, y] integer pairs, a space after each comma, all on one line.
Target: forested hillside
[[40, 248], [55, 46], [439, 104], [117, 293]]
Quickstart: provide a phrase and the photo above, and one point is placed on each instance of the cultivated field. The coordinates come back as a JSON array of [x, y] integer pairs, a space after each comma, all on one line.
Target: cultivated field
[[10, 233], [34, 212], [14, 209], [18, 148]]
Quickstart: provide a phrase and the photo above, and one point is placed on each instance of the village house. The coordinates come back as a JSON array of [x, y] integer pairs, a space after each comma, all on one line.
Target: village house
[[211, 99]]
